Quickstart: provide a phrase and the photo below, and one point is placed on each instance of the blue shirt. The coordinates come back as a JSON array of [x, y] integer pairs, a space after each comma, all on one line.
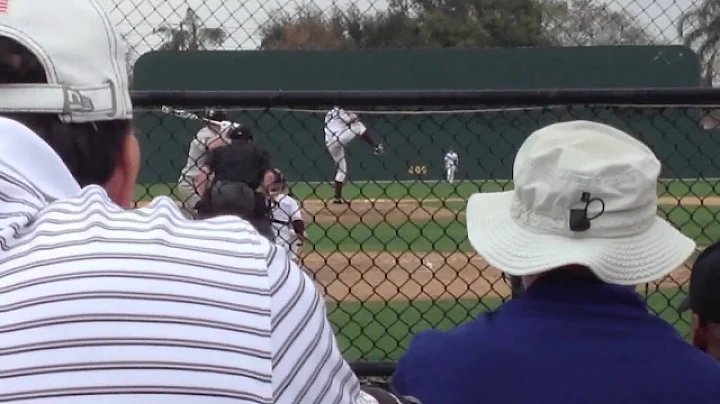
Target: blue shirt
[[566, 341]]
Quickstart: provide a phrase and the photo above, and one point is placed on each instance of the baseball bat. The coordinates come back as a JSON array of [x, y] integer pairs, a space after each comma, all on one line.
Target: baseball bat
[[181, 113]]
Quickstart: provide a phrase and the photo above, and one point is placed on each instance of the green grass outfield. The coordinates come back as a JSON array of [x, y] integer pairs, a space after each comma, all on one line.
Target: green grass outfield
[[435, 189], [378, 331], [702, 223]]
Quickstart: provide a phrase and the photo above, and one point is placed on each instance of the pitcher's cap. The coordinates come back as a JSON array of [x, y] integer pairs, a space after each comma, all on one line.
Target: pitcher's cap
[[83, 56]]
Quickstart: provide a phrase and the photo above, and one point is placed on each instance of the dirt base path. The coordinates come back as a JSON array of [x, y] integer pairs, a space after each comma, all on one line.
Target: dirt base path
[[372, 276], [408, 276]]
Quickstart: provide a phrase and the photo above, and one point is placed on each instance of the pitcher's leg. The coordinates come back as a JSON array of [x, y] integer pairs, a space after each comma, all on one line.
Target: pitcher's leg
[[188, 196], [337, 151]]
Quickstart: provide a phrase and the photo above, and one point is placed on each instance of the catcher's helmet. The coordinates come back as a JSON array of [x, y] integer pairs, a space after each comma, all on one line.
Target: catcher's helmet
[[216, 114]]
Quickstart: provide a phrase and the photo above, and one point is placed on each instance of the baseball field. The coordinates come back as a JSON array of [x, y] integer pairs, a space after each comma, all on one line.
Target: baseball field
[[397, 261]]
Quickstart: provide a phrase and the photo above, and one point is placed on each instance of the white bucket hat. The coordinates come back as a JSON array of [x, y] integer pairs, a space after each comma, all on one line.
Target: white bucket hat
[[584, 193], [83, 56]]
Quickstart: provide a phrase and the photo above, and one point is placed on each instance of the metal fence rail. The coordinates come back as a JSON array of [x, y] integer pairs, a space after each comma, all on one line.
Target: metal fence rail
[[396, 260]]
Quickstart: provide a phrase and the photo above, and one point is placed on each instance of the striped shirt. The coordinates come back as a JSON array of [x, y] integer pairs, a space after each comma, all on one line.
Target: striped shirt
[[104, 305]]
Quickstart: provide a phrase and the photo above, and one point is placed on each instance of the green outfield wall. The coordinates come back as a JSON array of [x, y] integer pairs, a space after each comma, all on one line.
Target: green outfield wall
[[486, 142]]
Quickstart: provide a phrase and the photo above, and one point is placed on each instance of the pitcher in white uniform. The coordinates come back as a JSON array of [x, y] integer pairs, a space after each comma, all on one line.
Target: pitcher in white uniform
[[285, 214], [341, 127], [186, 190]]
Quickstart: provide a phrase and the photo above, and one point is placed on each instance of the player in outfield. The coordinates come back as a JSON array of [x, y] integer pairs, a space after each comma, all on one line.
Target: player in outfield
[[451, 165], [341, 128], [285, 214], [197, 155]]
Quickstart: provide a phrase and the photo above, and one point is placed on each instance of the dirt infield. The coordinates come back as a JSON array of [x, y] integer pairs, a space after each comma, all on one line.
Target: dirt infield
[[368, 276], [377, 211], [383, 276], [407, 209]]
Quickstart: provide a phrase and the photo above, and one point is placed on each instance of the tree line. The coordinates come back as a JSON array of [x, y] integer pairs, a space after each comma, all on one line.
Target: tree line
[[454, 23], [459, 23]]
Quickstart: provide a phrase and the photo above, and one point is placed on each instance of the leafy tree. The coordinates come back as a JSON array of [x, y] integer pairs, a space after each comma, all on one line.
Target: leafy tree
[[591, 23], [700, 29], [309, 28], [190, 34], [410, 24]]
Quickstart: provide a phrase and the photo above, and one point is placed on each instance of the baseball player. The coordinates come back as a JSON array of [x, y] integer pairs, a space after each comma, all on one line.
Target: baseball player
[[197, 154], [341, 127], [451, 165], [285, 213]]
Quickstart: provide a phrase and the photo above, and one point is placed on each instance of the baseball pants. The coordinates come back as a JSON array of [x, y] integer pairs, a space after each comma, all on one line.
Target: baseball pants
[[187, 193], [336, 147], [450, 174]]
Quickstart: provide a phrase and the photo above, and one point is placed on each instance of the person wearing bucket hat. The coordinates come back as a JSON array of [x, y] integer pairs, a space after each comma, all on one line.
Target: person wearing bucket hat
[[104, 303], [704, 301], [581, 229]]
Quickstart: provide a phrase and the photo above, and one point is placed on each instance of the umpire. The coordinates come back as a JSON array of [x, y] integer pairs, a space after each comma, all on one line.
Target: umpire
[[234, 174]]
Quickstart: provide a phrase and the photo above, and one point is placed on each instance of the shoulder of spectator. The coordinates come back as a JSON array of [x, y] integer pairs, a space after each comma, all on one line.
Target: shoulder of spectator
[[305, 353], [287, 280], [221, 234], [422, 346], [427, 346]]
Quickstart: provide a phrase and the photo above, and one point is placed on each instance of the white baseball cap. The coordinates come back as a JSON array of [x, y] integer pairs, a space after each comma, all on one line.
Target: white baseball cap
[[584, 193], [83, 56]]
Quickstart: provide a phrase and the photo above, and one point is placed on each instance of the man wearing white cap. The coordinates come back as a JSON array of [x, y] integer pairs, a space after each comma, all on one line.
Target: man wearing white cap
[[581, 230], [99, 304]]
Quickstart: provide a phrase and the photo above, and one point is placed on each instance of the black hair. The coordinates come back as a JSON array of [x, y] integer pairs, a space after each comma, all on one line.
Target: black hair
[[89, 150]]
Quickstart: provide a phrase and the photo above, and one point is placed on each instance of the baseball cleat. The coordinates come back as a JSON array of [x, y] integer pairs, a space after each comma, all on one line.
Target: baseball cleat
[[340, 201]]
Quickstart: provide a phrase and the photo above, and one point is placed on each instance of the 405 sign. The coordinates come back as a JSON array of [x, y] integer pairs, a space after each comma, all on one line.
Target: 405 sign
[[417, 169]]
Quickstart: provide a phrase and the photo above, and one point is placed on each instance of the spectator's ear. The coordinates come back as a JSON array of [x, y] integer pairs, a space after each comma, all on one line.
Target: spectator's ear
[[699, 333]]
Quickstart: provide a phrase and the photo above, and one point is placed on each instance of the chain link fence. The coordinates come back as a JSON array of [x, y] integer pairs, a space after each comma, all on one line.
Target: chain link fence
[[328, 24], [396, 259]]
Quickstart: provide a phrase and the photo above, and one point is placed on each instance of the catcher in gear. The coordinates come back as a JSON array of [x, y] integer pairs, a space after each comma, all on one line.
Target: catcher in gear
[[285, 214]]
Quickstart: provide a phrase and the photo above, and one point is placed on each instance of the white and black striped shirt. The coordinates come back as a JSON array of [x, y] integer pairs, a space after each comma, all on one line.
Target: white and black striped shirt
[[103, 305]]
